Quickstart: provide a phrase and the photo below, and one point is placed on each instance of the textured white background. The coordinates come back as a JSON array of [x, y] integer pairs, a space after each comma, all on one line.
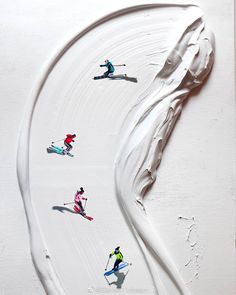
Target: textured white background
[[202, 168]]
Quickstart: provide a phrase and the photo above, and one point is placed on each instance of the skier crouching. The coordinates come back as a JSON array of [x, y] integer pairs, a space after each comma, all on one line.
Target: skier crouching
[[119, 257], [110, 68], [78, 207], [67, 142]]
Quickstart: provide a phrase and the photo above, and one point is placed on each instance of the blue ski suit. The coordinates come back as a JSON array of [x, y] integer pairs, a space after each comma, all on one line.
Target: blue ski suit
[[110, 68]]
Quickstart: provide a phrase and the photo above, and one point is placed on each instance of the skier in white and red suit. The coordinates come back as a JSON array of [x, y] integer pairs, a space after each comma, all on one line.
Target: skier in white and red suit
[[78, 207]]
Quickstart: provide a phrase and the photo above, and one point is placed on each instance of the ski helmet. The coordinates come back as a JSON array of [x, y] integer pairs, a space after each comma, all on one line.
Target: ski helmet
[[81, 190], [106, 61]]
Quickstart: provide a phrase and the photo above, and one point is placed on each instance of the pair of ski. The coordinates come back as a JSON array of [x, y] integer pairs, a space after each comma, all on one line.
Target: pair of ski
[[58, 150], [110, 76], [77, 210], [121, 265]]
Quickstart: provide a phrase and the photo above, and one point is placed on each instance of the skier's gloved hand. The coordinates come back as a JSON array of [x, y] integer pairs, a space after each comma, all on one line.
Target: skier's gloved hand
[[110, 255], [86, 199], [100, 65]]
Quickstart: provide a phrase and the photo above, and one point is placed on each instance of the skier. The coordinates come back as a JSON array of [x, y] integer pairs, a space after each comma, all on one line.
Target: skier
[[119, 257], [78, 204], [67, 142], [110, 68]]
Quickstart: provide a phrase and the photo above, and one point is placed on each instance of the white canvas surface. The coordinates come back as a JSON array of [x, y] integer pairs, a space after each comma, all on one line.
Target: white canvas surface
[[196, 178]]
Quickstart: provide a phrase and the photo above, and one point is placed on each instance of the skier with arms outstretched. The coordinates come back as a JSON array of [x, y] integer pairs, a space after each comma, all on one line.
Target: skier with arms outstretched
[[110, 70]]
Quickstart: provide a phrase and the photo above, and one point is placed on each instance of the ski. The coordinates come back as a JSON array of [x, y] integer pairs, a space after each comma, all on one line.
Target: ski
[[99, 77], [67, 153], [120, 76], [76, 209], [90, 218], [122, 265], [58, 150], [111, 76]]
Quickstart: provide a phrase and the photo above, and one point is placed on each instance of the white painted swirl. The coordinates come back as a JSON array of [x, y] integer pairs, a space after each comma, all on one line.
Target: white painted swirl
[[147, 130]]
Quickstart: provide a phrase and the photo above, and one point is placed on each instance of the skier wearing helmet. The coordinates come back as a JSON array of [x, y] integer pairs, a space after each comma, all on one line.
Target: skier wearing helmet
[[78, 207], [110, 68], [119, 257]]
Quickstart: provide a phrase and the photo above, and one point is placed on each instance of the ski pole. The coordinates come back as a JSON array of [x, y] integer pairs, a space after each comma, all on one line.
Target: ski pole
[[123, 65], [107, 263], [85, 204], [57, 140], [68, 203]]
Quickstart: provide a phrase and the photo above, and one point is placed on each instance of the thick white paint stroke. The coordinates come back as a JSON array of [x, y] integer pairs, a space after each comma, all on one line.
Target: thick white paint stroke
[[147, 130]]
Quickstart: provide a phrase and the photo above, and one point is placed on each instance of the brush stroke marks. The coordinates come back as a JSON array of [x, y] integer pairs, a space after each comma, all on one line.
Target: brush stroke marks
[[190, 28], [147, 129]]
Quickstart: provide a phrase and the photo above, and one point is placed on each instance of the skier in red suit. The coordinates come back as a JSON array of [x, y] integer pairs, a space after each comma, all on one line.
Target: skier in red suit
[[69, 138]]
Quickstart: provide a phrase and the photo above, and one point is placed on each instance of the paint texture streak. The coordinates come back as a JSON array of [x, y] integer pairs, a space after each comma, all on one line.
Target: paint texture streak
[[147, 129]]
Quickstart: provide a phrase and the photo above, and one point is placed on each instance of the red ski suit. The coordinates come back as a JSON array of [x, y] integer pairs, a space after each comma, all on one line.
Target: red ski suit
[[69, 138]]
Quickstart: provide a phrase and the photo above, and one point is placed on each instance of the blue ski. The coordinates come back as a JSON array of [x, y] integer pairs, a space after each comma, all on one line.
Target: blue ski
[[122, 265], [58, 150]]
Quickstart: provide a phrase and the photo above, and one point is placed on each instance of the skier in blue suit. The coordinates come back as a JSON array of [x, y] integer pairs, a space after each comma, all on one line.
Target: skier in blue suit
[[110, 68]]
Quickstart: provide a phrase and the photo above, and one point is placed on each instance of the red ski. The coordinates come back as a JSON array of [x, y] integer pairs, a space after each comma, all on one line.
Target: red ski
[[77, 210]]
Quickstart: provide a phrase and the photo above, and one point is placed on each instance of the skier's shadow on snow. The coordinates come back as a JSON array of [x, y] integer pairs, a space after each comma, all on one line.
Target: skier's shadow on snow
[[130, 79], [62, 209], [120, 279]]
